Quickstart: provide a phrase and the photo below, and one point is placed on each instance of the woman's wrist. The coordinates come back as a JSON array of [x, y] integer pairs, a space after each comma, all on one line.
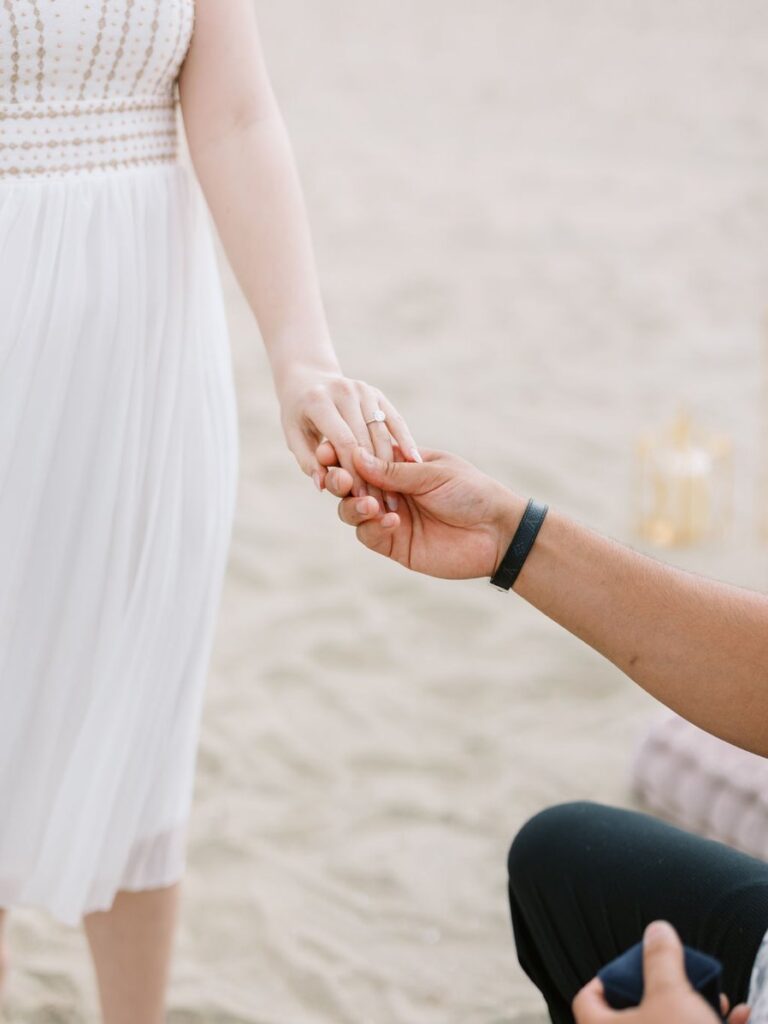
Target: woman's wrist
[[295, 376], [286, 374], [309, 354]]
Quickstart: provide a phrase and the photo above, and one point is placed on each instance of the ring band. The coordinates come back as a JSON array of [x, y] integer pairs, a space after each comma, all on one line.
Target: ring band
[[378, 417]]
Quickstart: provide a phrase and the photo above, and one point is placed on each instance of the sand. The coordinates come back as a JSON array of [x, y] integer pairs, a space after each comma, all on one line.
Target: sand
[[539, 226]]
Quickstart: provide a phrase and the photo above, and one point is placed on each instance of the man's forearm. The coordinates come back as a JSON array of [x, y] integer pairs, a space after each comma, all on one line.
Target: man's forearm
[[698, 646]]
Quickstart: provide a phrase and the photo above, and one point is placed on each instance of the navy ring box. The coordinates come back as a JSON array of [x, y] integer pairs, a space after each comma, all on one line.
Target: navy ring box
[[622, 978]]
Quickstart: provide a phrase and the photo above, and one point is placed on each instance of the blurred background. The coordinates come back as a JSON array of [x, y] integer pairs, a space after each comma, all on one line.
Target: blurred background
[[541, 227]]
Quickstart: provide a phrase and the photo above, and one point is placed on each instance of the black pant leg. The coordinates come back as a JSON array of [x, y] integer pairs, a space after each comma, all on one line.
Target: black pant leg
[[585, 880]]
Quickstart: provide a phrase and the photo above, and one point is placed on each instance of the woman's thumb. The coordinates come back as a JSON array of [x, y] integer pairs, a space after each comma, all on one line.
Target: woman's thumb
[[402, 477], [663, 959]]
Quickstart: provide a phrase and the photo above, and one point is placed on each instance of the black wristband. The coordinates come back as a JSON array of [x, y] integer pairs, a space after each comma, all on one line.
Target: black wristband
[[514, 560]]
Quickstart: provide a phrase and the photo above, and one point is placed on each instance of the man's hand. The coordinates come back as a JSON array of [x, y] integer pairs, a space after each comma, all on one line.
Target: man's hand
[[669, 997], [452, 521]]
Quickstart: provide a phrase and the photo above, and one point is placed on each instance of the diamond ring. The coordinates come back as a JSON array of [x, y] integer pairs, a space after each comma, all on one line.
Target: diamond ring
[[378, 417]]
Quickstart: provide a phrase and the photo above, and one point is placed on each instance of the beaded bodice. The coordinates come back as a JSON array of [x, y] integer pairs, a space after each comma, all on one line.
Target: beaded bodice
[[89, 86]]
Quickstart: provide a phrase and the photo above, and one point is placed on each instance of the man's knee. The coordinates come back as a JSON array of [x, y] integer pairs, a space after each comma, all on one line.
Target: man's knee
[[541, 848]]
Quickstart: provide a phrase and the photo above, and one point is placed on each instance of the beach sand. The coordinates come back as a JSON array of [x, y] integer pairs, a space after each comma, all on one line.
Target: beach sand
[[539, 227]]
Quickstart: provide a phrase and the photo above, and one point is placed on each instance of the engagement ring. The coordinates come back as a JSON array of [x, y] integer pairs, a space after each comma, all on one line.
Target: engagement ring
[[378, 417]]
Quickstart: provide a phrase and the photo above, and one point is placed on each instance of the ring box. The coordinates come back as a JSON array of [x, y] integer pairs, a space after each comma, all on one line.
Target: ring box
[[622, 978]]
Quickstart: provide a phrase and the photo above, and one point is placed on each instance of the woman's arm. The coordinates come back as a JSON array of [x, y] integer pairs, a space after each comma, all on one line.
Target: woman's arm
[[698, 646], [243, 159]]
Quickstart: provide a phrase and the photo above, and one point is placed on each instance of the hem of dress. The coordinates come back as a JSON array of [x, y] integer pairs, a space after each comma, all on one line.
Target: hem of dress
[[72, 921], [164, 879]]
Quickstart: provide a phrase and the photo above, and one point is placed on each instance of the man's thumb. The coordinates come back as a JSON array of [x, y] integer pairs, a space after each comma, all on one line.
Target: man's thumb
[[403, 477], [663, 959]]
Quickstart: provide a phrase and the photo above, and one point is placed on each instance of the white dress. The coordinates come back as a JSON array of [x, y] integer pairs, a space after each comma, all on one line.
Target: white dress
[[118, 452]]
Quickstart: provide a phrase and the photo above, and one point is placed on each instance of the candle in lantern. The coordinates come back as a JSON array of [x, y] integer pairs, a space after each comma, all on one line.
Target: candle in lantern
[[685, 485]]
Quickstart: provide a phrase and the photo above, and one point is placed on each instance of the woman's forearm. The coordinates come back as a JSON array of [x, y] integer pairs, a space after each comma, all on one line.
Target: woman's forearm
[[245, 165], [250, 182], [698, 646]]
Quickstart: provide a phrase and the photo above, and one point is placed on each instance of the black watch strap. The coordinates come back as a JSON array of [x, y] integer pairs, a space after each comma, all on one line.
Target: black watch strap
[[514, 560]]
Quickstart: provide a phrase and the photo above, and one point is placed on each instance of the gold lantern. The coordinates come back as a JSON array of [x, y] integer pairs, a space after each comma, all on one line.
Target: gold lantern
[[685, 484]]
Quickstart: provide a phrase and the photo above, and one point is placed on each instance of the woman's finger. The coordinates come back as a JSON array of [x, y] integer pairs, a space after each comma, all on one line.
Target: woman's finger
[[326, 455], [399, 429], [329, 423], [349, 406], [381, 439], [306, 456], [339, 482], [382, 448]]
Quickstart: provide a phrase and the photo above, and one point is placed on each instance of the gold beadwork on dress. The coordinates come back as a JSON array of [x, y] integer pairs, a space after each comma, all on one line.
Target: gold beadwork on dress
[[89, 87], [107, 165], [151, 48], [96, 50], [120, 52], [13, 35], [86, 138], [174, 57], [39, 27], [102, 140], [82, 110]]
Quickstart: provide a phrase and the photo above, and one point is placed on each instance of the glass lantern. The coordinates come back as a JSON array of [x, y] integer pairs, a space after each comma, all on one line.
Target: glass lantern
[[685, 485]]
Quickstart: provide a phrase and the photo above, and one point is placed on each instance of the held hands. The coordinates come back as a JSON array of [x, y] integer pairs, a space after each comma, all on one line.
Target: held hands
[[452, 521], [669, 996], [317, 404]]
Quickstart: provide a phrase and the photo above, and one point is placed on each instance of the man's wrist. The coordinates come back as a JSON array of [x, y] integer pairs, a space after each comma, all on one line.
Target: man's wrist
[[510, 513]]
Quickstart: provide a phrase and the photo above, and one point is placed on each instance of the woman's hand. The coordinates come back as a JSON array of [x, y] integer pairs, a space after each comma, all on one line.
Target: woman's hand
[[668, 994], [321, 405]]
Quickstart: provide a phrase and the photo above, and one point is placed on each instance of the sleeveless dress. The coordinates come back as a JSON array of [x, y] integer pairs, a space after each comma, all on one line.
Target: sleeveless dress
[[118, 452]]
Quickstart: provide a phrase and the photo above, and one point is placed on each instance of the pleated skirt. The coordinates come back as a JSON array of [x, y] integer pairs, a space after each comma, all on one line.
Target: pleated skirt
[[118, 479]]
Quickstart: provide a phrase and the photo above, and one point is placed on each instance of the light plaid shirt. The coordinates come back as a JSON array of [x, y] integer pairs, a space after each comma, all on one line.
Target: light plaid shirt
[[758, 989]]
